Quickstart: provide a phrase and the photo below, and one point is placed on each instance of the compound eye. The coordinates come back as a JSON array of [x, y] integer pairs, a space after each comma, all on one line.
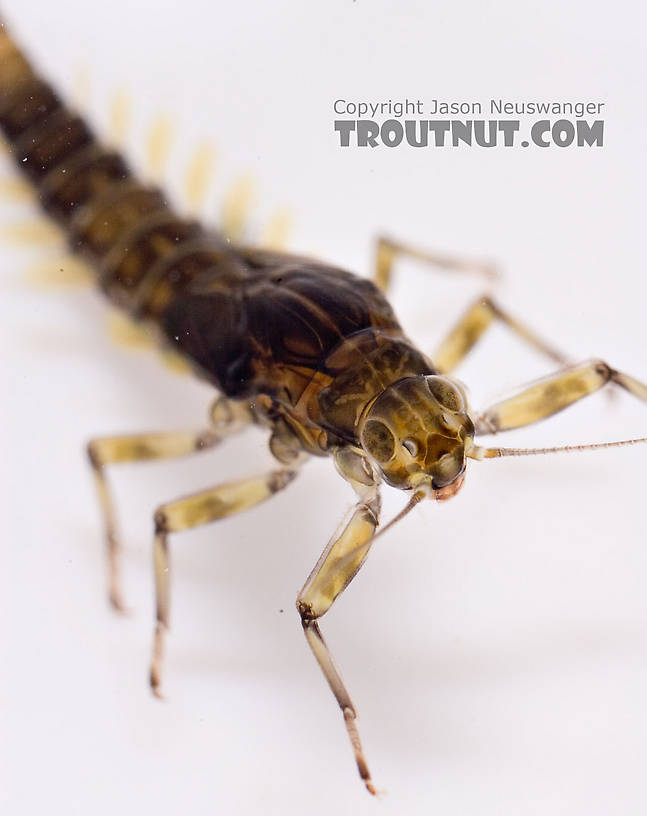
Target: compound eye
[[378, 440], [411, 445], [446, 394]]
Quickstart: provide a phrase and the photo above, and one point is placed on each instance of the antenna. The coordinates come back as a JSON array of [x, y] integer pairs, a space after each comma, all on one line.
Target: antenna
[[479, 453]]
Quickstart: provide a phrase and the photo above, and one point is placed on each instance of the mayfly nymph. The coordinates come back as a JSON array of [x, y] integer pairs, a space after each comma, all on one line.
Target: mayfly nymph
[[310, 353]]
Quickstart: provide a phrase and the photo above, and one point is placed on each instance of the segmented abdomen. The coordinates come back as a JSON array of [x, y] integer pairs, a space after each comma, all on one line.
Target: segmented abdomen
[[123, 227], [252, 321]]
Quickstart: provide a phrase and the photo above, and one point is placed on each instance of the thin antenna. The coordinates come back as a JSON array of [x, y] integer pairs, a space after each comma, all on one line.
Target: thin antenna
[[479, 453]]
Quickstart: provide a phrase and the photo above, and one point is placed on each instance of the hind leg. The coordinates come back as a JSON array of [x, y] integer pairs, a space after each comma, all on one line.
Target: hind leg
[[388, 251], [227, 418]]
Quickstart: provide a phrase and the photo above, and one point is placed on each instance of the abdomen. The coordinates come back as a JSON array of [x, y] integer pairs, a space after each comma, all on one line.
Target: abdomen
[[251, 321]]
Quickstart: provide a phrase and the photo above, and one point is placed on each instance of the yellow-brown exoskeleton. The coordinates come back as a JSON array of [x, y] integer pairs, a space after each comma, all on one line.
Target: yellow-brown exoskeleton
[[309, 352], [417, 432]]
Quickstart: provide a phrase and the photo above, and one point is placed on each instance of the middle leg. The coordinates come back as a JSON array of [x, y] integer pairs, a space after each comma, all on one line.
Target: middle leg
[[193, 511], [474, 323]]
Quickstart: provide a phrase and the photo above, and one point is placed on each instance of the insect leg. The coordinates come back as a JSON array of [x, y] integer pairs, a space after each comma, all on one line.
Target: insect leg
[[226, 418], [135, 448], [337, 566], [193, 511], [388, 251], [552, 394], [478, 318]]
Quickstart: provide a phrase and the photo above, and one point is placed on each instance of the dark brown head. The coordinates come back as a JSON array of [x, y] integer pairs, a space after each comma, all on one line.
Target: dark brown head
[[416, 432]]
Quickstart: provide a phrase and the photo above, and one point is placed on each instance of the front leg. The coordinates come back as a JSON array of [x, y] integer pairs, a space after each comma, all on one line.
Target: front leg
[[553, 394], [338, 565]]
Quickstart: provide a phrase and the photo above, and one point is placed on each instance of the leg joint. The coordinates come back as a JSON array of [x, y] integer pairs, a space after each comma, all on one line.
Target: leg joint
[[307, 613], [603, 369], [493, 307], [278, 479], [487, 423], [93, 456], [206, 439], [160, 521]]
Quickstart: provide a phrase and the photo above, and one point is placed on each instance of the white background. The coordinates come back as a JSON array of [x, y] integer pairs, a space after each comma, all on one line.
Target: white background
[[495, 646]]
